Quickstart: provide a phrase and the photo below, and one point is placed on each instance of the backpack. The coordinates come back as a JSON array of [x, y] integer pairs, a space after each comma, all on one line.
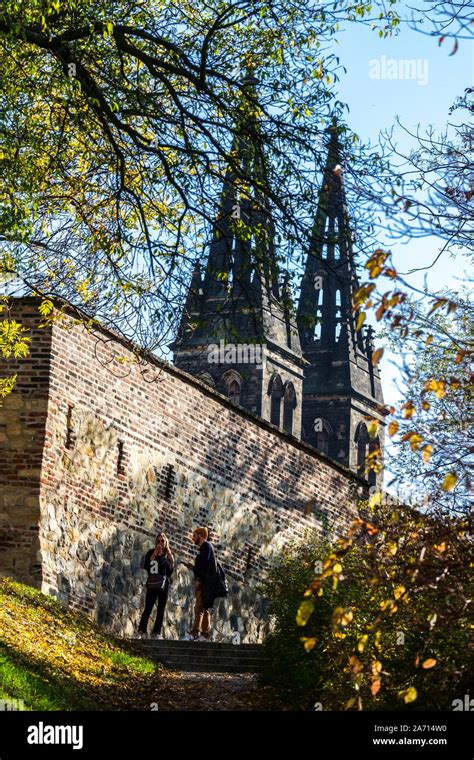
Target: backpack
[[220, 583], [215, 585]]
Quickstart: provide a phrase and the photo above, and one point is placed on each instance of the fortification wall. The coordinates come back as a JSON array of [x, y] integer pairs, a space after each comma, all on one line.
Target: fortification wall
[[127, 448]]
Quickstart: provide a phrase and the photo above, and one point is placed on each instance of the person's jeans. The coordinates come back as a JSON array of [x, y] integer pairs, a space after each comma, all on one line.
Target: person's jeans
[[202, 617], [152, 595]]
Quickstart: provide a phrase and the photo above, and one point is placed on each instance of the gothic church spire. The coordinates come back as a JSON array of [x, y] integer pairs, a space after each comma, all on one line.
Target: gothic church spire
[[238, 301], [341, 387]]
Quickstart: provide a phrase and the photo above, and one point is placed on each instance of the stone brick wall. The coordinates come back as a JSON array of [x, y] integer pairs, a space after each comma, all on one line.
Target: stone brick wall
[[22, 440], [126, 448]]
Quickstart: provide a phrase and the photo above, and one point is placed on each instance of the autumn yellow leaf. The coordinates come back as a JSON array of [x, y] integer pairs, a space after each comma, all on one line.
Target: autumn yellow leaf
[[355, 664], [347, 617], [360, 320], [408, 410], [427, 452], [376, 262], [415, 441], [437, 305], [449, 482], [375, 688], [309, 643], [377, 355], [373, 428], [399, 591], [362, 642], [375, 499], [362, 293], [304, 612], [378, 636], [376, 667], [436, 386], [393, 428], [380, 311], [408, 695], [429, 663]]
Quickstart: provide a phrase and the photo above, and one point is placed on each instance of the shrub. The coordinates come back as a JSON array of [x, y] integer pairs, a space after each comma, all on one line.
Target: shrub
[[383, 625]]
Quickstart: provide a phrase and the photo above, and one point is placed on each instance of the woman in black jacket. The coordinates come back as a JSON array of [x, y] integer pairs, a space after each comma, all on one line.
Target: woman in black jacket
[[159, 564]]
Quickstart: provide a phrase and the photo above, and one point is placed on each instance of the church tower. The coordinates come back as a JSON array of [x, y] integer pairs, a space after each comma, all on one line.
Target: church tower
[[237, 330], [341, 386]]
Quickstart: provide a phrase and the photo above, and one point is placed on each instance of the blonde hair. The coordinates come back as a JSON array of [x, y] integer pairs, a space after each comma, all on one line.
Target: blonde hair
[[202, 532], [165, 537]]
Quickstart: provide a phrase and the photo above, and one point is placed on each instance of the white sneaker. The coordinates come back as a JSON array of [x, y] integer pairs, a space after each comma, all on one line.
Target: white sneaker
[[139, 635], [155, 636], [202, 638], [188, 637]]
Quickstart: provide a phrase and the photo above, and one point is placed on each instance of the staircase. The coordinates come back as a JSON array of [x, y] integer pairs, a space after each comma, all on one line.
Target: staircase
[[207, 657]]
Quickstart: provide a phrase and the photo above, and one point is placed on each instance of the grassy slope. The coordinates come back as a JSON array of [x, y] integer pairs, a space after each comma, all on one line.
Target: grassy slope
[[56, 659]]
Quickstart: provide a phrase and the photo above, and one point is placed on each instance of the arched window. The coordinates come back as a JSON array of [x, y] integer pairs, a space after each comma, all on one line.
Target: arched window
[[362, 439], [323, 435], [276, 392], [338, 314], [318, 315], [234, 392], [232, 386], [317, 327], [289, 404]]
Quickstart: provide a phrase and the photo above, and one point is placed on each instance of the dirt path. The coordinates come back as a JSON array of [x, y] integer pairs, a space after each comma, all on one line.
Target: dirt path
[[180, 691]]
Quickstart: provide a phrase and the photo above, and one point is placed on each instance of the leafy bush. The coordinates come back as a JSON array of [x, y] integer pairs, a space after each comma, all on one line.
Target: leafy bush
[[383, 624], [289, 668]]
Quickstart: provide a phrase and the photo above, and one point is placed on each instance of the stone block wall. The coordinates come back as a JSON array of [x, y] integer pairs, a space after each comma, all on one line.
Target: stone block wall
[[22, 440], [115, 448]]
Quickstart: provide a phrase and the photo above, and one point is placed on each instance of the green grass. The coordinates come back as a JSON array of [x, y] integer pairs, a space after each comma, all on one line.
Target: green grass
[[52, 658]]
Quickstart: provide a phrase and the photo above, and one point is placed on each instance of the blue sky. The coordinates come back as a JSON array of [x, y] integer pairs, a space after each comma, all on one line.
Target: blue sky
[[374, 105]]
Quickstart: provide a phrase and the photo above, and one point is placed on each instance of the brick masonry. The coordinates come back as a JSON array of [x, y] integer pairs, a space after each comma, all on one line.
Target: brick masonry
[[101, 449]]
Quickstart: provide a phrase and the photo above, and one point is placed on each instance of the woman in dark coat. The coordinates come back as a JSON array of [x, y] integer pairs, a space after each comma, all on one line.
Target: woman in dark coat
[[159, 564]]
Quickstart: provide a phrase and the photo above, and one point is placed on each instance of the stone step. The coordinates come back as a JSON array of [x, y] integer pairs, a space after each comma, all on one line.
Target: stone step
[[179, 644], [196, 648], [204, 655], [207, 658], [168, 657], [210, 657]]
